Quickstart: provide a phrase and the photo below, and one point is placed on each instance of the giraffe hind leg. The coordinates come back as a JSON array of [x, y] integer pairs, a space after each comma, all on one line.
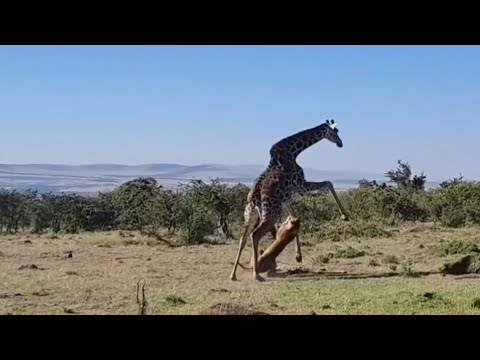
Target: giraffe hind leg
[[252, 221]]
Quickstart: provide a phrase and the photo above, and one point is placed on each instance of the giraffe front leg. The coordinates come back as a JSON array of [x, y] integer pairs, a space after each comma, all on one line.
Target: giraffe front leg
[[344, 212], [298, 250], [315, 186]]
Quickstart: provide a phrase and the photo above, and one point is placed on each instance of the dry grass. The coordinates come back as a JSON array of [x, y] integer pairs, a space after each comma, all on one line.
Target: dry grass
[[38, 276]]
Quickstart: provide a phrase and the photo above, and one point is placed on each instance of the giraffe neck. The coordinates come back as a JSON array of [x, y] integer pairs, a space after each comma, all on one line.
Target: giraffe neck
[[293, 145]]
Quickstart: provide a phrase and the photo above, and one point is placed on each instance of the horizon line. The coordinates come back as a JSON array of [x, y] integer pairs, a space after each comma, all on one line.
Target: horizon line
[[380, 174]]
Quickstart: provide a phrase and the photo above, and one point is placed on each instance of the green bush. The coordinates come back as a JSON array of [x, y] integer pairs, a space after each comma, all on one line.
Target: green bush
[[349, 253], [456, 203], [315, 210], [340, 230], [455, 247]]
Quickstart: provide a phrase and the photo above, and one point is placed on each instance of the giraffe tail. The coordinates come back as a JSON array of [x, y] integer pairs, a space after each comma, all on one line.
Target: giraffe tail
[[245, 267]]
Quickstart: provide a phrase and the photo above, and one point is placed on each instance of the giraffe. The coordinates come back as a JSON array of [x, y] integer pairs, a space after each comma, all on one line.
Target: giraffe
[[276, 185]]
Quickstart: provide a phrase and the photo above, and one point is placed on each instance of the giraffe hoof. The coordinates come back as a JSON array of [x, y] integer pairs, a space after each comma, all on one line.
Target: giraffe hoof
[[233, 277], [343, 217], [258, 278], [298, 258]]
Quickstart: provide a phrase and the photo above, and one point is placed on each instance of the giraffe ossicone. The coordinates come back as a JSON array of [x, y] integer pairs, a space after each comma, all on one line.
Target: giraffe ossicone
[[332, 124]]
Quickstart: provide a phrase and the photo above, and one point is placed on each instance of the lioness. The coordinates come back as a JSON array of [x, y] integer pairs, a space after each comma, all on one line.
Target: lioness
[[285, 235]]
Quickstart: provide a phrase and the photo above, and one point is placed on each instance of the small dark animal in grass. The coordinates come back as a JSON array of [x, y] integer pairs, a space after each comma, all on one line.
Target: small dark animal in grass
[[465, 265], [267, 261], [231, 309]]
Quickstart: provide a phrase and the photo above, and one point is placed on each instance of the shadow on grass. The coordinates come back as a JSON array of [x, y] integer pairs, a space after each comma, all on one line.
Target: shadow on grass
[[339, 275]]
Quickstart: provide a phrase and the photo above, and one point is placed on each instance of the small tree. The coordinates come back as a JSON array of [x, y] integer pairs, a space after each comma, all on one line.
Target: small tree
[[402, 176]]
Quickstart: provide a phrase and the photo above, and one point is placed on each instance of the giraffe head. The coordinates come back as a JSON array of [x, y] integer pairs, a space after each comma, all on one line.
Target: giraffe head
[[331, 133]]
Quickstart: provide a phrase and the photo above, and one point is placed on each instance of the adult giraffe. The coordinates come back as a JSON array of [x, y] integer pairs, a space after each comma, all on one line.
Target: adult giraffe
[[277, 184]]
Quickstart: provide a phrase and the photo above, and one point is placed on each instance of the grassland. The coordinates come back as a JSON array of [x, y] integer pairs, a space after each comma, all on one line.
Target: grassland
[[97, 273]]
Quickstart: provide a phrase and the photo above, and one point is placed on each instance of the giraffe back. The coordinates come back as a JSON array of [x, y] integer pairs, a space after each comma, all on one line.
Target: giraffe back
[[284, 174]]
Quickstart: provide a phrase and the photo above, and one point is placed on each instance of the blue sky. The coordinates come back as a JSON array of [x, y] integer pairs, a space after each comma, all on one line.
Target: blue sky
[[228, 104]]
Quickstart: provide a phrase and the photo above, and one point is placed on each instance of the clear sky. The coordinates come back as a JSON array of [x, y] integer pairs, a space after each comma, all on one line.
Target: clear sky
[[229, 104]]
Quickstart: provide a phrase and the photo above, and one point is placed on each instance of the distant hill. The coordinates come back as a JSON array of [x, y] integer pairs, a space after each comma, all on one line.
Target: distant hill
[[103, 177]]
